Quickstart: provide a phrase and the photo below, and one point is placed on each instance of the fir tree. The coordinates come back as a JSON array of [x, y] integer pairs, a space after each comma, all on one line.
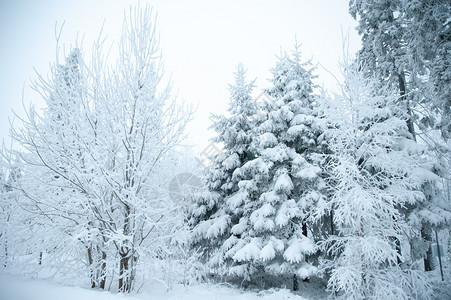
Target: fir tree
[[266, 219], [209, 216]]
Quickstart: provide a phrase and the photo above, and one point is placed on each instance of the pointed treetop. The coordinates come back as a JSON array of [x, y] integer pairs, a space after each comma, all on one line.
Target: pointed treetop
[[292, 78], [240, 93]]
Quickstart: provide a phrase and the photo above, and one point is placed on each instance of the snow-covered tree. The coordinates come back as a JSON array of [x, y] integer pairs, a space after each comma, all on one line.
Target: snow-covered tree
[[210, 215], [375, 170], [263, 224], [403, 44], [4, 220], [95, 162], [282, 184], [427, 39], [15, 228]]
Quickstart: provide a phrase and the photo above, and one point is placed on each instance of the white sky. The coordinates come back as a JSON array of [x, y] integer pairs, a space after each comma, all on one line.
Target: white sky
[[202, 42]]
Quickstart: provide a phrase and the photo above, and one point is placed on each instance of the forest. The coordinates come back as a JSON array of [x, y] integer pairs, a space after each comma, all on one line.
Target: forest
[[327, 194]]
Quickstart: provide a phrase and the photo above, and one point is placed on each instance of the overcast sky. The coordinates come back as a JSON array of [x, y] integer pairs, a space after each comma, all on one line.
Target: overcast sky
[[202, 42]]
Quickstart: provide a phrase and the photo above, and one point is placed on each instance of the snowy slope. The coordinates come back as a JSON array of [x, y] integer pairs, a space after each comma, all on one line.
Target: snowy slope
[[15, 288]]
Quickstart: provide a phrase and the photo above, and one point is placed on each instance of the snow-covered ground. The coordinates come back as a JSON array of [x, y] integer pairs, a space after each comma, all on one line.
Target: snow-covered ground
[[16, 288]]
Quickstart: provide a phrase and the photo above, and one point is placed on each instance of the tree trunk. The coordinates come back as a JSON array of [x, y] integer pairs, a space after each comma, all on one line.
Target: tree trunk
[[304, 229], [403, 94], [362, 259], [97, 268], [332, 229], [91, 271], [304, 232], [398, 250], [397, 247], [124, 273], [295, 283], [103, 271], [127, 255], [6, 253], [133, 261], [426, 235]]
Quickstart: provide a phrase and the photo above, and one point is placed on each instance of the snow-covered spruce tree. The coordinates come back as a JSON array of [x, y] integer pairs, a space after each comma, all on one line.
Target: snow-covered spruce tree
[[374, 171], [210, 216], [268, 214], [94, 162], [294, 182], [403, 43]]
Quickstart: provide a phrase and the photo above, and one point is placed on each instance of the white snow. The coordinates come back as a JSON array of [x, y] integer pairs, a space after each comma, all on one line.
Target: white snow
[[288, 209], [218, 226], [249, 252], [268, 252], [260, 218], [267, 139], [236, 199], [256, 165], [297, 248], [283, 184], [15, 288], [276, 154], [297, 130], [309, 172], [231, 162], [269, 197], [240, 227], [302, 119]]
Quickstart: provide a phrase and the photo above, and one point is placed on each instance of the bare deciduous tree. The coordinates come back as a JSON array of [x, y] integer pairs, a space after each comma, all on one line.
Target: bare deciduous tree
[[94, 162]]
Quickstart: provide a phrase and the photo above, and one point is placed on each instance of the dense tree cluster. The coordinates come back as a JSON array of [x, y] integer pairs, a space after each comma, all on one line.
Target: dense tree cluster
[[352, 187]]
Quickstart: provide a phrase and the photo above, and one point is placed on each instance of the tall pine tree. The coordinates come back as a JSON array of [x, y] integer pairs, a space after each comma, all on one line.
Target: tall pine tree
[[209, 216], [262, 227]]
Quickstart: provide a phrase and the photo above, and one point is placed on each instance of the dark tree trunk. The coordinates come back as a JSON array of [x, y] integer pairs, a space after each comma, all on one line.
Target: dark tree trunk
[[398, 250], [397, 247], [127, 257], [304, 232], [410, 127], [103, 271], [332, 229], [426, 235], [91, 271], [403, 94], [124, 273], [295, 283], [97, 269]]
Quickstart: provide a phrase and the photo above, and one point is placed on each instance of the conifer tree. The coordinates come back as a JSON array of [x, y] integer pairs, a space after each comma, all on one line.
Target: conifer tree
[[263, 224], [209, 216]]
